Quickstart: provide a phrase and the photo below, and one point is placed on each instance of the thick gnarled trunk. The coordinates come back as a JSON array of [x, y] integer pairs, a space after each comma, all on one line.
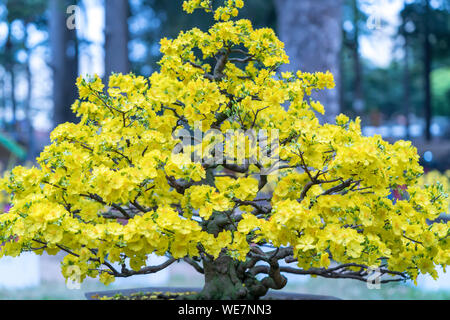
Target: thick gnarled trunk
[[226, 279]]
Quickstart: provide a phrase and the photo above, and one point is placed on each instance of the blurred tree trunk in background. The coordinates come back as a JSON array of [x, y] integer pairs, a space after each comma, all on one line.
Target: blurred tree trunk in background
[[27, 106], [2, 99], [9, 67], [427, 71], [116, 37], [358, 97], [64, 62], [406, 73], [311, 31], [406, 87]]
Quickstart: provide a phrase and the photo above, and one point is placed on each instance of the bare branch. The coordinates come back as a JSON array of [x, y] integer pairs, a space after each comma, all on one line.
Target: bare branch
[[194, 264], [100, 200], [339, 272], [338, 188], [146, 270]]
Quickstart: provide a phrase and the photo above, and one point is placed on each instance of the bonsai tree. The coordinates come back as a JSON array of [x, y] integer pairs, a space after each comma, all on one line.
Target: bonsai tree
[[219, 161]]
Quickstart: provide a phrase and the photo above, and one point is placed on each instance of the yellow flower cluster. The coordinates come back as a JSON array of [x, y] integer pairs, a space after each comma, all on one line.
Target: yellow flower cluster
[[223, 13], [111, 189], [434, 178]]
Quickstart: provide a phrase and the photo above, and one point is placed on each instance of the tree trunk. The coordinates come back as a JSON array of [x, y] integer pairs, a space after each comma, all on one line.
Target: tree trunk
[[27, 107], [64, 48], [9, 69], [406, 85], [225, 279], [13, 99], [427, 72], [358, 98], [2, 100], [311, 31], [116, 37]]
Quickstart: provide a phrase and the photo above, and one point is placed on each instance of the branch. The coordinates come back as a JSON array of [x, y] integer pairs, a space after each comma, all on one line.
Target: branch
[[112, 271], [339, 272], [339, 187], [100, 200], [274, 280], [237, 168], [194, 264], [220, 65], [259, 208], [139, 207], [181, 118], [313, 182], [303, 165], [180, 188], [256, 115], [206, 74], [125, 272], [242, 60]]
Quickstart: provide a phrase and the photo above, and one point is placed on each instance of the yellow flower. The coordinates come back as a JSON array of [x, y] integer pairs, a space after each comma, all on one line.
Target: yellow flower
[[316, 105], [341, 119], [106, 278], [248, 187]]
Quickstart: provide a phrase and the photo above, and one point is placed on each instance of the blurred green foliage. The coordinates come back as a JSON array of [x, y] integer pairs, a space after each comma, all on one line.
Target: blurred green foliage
[[440, 83]]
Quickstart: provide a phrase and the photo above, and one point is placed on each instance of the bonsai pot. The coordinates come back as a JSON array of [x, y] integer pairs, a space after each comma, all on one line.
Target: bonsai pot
[[172, 293]]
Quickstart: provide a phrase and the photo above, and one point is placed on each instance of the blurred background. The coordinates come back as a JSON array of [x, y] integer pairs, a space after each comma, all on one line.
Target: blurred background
[[390, 59]]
